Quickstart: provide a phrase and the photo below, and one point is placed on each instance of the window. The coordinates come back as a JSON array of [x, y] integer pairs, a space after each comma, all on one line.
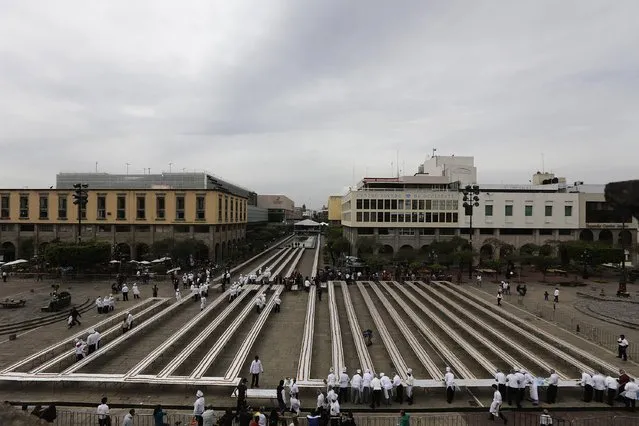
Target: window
[[44, 207], [24, 207], [140, 207], [5, 206], [101, 204], [358, 217], [508, 210], [488, 210], [367, 204], [62, 206], [121, 213], [568, 211], [359, 204], [45, 227], [179, 207], [226, 209], [219, 208], [548, 211], [200, 212], [160, 207], [528, 211]]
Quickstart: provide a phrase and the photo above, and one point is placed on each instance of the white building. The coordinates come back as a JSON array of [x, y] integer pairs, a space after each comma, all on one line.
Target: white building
[[456, 169], [410, 212]]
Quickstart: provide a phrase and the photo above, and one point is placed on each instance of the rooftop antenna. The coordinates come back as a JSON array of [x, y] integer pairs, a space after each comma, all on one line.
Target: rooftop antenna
[[170, 167], [434, 151], [397, 158], [392, 168], [543, 165], [96, 166], [127, 168]]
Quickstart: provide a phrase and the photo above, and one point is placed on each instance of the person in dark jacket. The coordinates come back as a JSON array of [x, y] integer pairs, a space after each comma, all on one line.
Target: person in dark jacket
[[280, 397]]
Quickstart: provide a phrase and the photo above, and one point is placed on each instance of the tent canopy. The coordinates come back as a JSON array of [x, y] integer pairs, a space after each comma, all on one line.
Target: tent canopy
[[307, 223]]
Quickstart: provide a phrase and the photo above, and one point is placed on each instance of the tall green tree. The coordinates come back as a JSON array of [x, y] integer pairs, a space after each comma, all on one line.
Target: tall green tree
[[82, 255], [366, 246]]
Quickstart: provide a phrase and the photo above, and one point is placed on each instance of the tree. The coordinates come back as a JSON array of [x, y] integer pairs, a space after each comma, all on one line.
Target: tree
[[337, 246], [26, 248], [184, 250], [162, 248], [406, 255], [529, 249], [463, 258], [366, 246], [543, 263], [81, 255]]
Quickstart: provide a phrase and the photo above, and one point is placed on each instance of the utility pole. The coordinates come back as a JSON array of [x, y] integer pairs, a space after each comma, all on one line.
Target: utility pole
[[80, 198], [471, 200]]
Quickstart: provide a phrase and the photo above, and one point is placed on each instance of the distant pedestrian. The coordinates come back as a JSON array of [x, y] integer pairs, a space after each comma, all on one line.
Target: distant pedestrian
[[499, 297], [136, 291], [256, 369], [556, 294], [158, 416], [104, 419], [545, 418], [74, 317], [546, 294], [404, 418], [622, 346], [128, 418], [125, 292]]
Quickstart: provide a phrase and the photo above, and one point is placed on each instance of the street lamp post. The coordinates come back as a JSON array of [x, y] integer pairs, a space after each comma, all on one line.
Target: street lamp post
[[80, 199], [623, 278], [471, 200]]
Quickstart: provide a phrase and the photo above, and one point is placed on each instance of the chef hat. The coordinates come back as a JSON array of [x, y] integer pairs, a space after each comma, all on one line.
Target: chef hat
[[344, 370], [199, 394], [448, 369], [381, 374], [409, 371], [330, 370], [359, 371]]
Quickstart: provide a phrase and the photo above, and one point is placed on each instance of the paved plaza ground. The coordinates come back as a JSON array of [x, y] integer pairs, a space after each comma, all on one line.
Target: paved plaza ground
[[280, 343]]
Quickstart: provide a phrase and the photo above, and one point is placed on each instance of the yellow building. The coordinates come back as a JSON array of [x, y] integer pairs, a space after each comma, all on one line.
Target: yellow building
[[130, 218], [335, 209]]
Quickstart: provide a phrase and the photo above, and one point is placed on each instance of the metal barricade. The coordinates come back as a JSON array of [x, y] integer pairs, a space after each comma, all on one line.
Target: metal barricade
[[80, 418], [625, 421], [582, 328], [594, 421], [170, 419]]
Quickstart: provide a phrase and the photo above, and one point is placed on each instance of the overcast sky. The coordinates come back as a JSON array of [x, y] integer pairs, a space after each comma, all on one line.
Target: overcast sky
[[297, 97]]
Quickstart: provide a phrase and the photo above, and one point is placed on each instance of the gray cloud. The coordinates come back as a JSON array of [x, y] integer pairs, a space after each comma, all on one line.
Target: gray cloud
[[294, 97]]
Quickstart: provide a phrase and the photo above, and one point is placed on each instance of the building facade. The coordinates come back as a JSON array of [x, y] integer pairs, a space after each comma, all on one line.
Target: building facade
[[411, 212], [334, 209], [132, 218], [280, 207]]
